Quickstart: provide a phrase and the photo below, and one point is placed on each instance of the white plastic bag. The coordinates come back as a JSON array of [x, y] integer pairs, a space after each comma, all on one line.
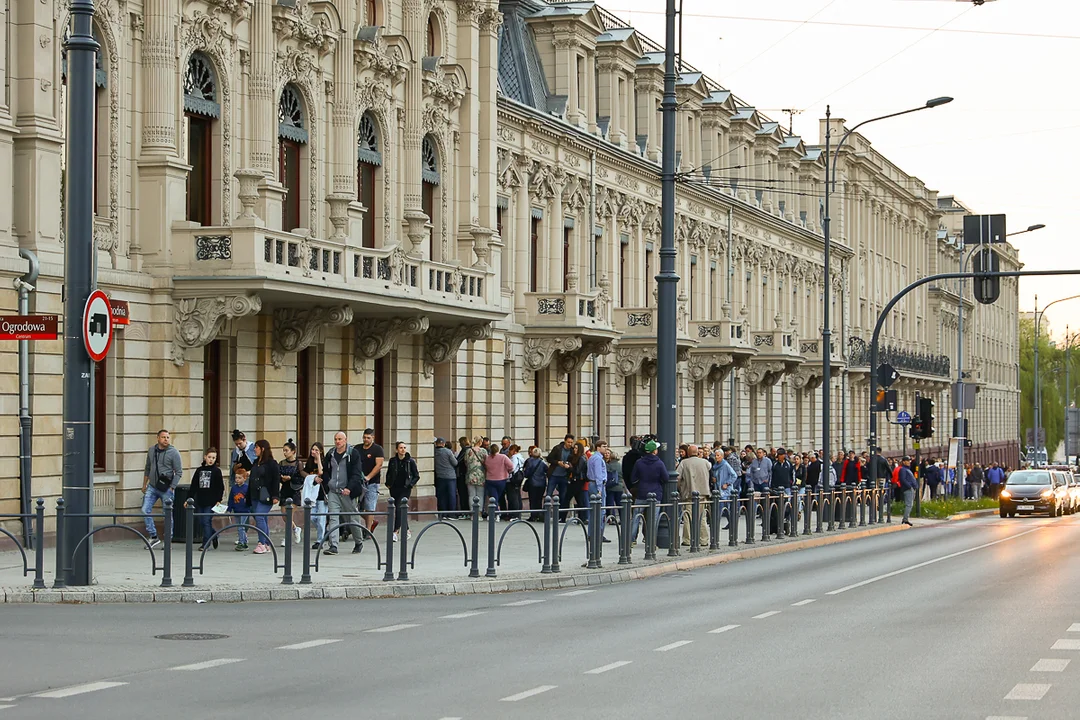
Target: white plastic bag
[[310, 491]]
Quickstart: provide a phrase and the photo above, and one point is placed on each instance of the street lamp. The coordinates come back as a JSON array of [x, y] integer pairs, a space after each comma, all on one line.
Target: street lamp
[[1038, 388], [831, 159], [960, 342]]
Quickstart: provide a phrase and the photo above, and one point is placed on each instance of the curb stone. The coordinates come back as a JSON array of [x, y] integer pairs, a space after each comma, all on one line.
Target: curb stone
[[610, 575], [972, 514]]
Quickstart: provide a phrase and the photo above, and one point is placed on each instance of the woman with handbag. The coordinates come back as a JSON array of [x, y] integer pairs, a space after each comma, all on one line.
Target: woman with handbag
[[497, 471], [292, 486], [535, 472], [264, 488], [401, 477], [474, 472], [513, 485], [314, 490], [578, 485]]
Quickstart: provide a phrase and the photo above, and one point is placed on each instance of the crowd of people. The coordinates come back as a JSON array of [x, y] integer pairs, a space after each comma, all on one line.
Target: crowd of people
[[343, 483]]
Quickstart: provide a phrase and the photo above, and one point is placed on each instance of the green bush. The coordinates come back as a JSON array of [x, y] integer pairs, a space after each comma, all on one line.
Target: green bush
[[943, 508]]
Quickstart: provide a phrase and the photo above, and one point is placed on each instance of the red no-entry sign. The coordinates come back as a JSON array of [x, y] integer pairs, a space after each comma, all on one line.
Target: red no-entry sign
[[97, 326]]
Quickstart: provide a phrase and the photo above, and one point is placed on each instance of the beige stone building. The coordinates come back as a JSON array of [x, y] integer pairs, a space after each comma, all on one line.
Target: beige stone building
[[433, 217]]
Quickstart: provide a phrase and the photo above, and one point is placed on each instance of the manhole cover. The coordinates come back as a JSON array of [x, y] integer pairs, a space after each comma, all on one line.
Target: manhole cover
[[191, 636]]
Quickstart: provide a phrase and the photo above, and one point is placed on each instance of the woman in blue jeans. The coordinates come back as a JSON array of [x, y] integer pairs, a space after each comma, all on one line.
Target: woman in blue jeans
[[497, 470], [264, 487], [207, 489]]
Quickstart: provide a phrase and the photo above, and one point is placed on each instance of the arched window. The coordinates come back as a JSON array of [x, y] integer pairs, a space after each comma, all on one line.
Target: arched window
[[201, 109], [372, 13], [292, 136], [368, 160], [431, 44], [430, 181]]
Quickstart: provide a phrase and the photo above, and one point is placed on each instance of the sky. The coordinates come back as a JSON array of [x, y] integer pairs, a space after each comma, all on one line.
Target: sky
[[1009, 142]]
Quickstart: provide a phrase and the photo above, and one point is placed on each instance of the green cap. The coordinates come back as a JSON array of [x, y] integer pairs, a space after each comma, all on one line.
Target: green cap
[[651, 446]]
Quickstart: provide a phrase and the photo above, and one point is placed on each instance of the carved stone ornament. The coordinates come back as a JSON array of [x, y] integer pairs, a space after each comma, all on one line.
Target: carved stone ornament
[[375, 338], [711, 366], [442, 342], [539, 351], [570, 362], [629, 360], [295, 329], [805, 378], [763, 372], [197, 321]]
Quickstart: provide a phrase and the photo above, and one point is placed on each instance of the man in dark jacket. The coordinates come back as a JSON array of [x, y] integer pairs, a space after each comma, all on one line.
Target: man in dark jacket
[[851, 473], [650, 474], [344, 481], [908, 485], [629, 460], [813, 472], [445, 477], [881, 466], [933, 477], [783, 474]]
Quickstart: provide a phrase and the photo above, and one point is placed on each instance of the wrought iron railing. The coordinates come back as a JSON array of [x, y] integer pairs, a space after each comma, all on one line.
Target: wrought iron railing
[[912, 361]]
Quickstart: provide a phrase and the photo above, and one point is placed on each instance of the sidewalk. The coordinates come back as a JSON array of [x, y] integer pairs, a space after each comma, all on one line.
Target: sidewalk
[[122, 568]]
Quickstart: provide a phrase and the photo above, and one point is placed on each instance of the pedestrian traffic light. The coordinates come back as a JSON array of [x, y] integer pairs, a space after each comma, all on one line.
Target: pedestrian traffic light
[[926, 417], [885, 400], [916, 428]]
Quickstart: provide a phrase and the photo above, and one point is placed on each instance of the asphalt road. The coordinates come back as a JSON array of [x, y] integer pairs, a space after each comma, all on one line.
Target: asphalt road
[[953, 621]]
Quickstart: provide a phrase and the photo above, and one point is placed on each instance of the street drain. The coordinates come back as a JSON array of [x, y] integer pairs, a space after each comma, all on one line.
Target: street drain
[[191, 636]]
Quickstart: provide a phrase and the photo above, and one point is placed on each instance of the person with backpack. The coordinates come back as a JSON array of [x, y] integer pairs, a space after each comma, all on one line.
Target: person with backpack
[[207, 490], [517, 477], [497, 471], [343, 478], [535, 472], [401, 477]]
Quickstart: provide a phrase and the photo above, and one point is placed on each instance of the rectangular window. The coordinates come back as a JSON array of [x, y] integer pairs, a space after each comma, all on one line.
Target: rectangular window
[[566, 258], [648, 276], [289, 176], [212, 392], [101, 389], [365, 193], [303, 401], [427, 202], [379, 402], [534, 252], [539, 407], [499, 212], [623, 250], [200, 137], [693, 289], [602, 419]]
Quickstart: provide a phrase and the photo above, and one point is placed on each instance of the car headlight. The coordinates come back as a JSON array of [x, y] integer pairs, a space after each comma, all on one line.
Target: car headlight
[[1047, 493], [1006, 494]]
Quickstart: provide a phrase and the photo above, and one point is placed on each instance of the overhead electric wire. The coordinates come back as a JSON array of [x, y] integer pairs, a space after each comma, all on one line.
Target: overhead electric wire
[[780, 40]]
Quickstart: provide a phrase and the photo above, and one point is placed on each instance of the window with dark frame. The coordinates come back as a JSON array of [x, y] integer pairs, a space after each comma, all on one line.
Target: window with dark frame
[[369, 158], [534, 251], [566, 258], [201, 108], [303, 401], [431, 36], [292, 134], [431, 179], [372, 13], [212, 392]]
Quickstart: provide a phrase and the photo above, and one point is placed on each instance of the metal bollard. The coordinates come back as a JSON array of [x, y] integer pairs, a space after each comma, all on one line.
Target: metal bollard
[[39, 545], [626, 521], [751, 520], [820, 508], [830, 514], [474, 570], [305, 576], [403, 539], [166, 564], [546, 567], [493, 511], [872, 511], [60, 581], [733, 521], [695, 521], [388, 562], [862, 508], [714, 524], [650, 527], [675, 523], [766, 519], [287, 508], [888, 504], [189, 543], [596, 530], [843, 508], [556, 544]]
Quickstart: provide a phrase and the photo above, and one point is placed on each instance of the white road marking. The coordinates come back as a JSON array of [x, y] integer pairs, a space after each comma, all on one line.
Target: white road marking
[[393, 628], [450, 718], [309, 644], [1050, 665], [79, 689], [605, 668], [1066, 645], [528, 693], [521, 603], [909, 568], [1075, 627], [1028, 691], [575, 593], [764, 615], [461, 615], [722, 629], [807, 601], [1003, 717], [5, 707], [673, 645], [209, 664]]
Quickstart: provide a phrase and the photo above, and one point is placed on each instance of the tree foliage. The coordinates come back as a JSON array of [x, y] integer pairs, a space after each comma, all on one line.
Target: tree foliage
[[1052, 379]]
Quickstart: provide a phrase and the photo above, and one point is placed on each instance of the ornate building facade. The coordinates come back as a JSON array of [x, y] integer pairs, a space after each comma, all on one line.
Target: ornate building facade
[[441, 217]]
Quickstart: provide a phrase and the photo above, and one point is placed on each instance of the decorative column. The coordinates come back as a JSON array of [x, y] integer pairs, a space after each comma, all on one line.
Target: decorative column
[[554, 280], [414, 28], [261, 100], [522, 235], [468, 164], [343, 115], [590, 91]]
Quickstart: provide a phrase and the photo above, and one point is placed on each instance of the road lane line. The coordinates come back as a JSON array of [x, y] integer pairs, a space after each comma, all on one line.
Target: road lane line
[[605, 668], [461, 615], [393, 628], [575, 593], [5, 707], [1028, 691], [528, 693], [1050, 665], [673, 645], [521, 603], [1005, 717], [807, 601], [722, 629], [79, 689], [764, 615], [950, 556], [309, 644], [1066, 645], [209, 664], [1075, 627]]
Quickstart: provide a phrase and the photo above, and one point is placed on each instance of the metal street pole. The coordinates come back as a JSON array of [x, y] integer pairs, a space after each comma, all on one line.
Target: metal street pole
[[79, 281], [667, 281], [1066, 394], [831, 160], [1038, 375]]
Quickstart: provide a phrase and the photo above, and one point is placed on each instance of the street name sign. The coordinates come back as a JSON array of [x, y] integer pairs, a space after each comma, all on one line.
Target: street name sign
[[903, 417], [29, 327]]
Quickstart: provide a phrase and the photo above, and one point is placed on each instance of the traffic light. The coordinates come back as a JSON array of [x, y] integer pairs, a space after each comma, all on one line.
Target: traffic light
[[916, 428], [926, 417], [885, 400], [987, 289]]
